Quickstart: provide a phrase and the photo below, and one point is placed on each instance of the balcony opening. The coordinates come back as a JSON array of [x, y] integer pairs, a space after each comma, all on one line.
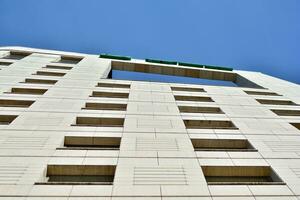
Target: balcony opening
[[58, 67], [110, 94], [105, 106], [286, 112], [2, 63], [222, 145], [33, 91], [209, 124], [7, 119], [16, 55], [99, 122], [79, 175], [262, 93], [15, 103], [187, 89], [69, 60], [40, 81], [194, 109], [193, 98], [276, 102], [296, 125], [113, 85], [91, 143], [241, 175], [42, 73]]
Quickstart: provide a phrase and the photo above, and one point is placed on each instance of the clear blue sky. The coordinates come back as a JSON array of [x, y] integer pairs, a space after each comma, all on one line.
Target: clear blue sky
[[258, 35]]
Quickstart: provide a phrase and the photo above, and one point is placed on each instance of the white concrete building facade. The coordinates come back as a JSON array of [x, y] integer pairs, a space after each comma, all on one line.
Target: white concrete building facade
[[68, 131]]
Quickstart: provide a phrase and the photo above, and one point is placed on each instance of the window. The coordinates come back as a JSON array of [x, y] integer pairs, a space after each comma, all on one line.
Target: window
[[70, 60], [275, 102], [222, 145], [80, 175], [58, 67], [110, 94], [194, 109], [40, 81], [92, 143], [297, 125], [113, 85], [240, 175], [105, 106], [286, 112], [5, 63], [16, 55], [101, 122], [192, 98], [208, 124], [33, 91], [15, 103], [262, 93], [42, 73], [186, 89], [7, 119]]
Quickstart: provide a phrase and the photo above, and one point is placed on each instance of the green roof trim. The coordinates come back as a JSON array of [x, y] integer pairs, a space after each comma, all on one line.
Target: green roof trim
[[190, 64], [117, 57], [218, 68], [161, 61]]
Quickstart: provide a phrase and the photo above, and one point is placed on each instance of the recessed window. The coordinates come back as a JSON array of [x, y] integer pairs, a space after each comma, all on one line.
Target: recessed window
[[222, 145], [275, 102], [42, 73], [297, 125], [194, 109], [16, 55], [91, 143], [5, 63], [40, 81], [34, 91], [80, 175], [110, 94], [187, 89], [7, 119], [105, 106], [99, 122], [113, 85], [58, 67], [286, 112], [192, 98], [15, 103], [262, 93], [70, 60], [240, 175], [208, 124]]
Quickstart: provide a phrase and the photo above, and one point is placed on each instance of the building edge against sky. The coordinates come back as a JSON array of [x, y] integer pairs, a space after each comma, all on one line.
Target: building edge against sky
[[69, 131]]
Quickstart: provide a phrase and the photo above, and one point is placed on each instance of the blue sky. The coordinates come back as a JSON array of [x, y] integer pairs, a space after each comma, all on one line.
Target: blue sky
[[257, 35]]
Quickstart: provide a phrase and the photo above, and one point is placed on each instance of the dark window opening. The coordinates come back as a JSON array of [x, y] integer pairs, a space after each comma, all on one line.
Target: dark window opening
[[193, 98], [194, 109], [110, 94], [99, 122], [15, 103], [276, 102], [222, 145], [105, 106], [91, 143], [241, 175], [80, 175], [209, 124], [16, 55], [7, 119]]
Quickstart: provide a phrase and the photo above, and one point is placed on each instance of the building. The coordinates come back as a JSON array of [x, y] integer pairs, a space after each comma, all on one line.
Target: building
[[69, 132]]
